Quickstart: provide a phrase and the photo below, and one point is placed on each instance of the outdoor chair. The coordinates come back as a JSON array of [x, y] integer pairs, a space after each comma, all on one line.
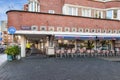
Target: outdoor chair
[[68, 52], [99, 52], [73, 52], [92, 53], [62, 53], [112, 53], [88, 52], [81, 52], [57, 52], [103, 53]]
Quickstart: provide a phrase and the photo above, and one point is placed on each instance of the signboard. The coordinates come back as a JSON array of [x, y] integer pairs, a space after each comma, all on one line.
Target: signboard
[[25, 28], [11, 30]]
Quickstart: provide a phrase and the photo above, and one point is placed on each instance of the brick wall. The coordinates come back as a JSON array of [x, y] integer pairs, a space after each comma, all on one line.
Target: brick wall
[[23, 18]]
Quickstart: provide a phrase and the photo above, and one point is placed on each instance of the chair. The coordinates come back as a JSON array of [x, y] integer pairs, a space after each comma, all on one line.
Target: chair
[[57, 52], [73, 52], [82, 52], [62, 53], [68, 52]]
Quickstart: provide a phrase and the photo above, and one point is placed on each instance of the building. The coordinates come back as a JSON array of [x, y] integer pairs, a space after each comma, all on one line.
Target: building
[[52, 24]]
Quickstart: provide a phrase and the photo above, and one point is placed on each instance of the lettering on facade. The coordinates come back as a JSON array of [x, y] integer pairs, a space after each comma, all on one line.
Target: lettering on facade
[[25, 28]]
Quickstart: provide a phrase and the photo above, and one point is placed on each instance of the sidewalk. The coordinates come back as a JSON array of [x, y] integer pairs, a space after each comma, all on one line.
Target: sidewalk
[[3, 58], [113, 58]]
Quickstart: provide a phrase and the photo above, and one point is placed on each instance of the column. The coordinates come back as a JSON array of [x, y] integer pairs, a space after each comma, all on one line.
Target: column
[[23, 46], [75, 44]]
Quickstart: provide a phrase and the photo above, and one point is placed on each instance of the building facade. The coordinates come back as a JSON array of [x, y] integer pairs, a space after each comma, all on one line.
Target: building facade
[[64, 24]]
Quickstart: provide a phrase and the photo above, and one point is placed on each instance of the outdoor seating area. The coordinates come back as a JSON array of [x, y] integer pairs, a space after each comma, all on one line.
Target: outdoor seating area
[[83, 52]]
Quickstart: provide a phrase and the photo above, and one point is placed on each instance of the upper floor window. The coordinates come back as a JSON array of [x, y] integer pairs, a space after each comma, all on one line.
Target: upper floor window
[[51, 28], [51, 11], [86, 12], [109, 14], [73, 11], [67, 29], [43, 28], [59, 29], [98, 14], [93, 30], [87, 30], [98, 30], [114, 13], [74, 29], [80, 30]]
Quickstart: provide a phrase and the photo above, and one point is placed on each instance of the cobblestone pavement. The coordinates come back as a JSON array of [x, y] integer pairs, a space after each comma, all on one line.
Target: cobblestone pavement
[[38, 68]]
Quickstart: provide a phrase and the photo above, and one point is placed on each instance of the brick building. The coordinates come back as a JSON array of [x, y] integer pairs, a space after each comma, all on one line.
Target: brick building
[[52, 24]]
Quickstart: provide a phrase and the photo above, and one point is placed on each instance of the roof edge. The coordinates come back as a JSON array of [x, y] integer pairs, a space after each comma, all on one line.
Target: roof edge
[[60, 15]]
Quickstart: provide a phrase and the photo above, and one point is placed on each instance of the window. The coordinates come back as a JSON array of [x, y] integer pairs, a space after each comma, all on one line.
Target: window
[[80, 30], [93, 30], [114, 13], [109, 31], [98, 30], [43, 28], [34, 28], [51, 11], [119, 31], [73, 11], [98, 14], [114, 31], [86, 30], [86, 12], [103, 31], [109, 14], [51, 28], [67, 29], [74, 29], [59, 29]]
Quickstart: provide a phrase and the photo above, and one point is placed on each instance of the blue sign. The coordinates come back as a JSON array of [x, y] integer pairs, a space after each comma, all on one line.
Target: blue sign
[[11, 30]]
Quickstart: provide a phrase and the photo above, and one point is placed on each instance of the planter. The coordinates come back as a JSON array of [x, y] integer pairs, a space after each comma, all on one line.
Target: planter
[[9, 57]]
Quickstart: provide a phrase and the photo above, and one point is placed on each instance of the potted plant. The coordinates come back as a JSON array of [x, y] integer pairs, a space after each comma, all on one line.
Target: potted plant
[[12, 52]]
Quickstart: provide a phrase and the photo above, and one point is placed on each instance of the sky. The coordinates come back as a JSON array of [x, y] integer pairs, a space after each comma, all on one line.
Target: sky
[[6, 5]]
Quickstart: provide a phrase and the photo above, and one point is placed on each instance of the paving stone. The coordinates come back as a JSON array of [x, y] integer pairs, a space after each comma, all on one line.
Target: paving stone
[[38, 68]]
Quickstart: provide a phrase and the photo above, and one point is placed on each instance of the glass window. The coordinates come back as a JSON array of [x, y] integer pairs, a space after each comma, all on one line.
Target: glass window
[[98, 30], [51, 28], [80, 30], [109, 31], [109, 14], [59, 29], [86, 30], [74, 29], [51, 11], [73, 11], [93, 30], [114, 31], [86, 12], [114, 13], [98, 14], [103, 31], [67, 29], [43, 28]]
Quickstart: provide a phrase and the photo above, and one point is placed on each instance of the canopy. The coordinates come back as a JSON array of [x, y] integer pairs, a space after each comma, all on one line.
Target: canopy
[[108, 38], [73, 37]]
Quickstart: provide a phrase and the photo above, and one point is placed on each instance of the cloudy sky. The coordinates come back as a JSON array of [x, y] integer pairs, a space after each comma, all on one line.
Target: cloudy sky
[[6, 5]]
